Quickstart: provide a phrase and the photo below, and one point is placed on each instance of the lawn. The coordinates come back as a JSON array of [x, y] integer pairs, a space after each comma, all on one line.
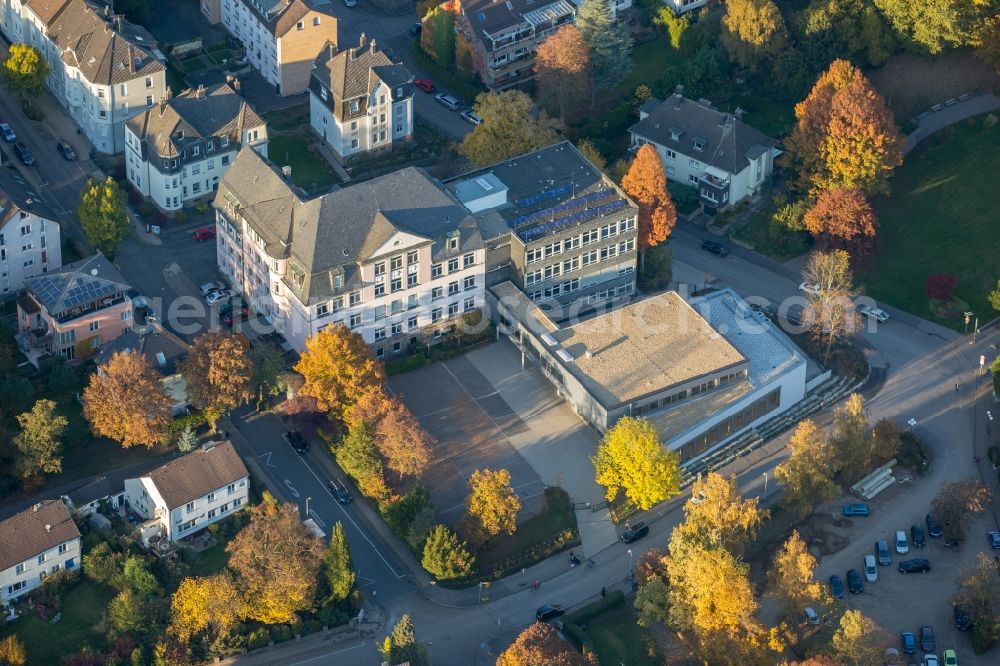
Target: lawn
[[210, 561], [618, 639], [309, 170], [82, 608], [941, 218], [290, 118], [649, 60]]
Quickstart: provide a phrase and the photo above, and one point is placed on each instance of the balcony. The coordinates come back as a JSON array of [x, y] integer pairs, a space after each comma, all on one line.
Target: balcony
[[713, 187], [90, 308]]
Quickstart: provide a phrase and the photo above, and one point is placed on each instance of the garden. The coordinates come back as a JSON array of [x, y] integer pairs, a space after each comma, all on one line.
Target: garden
[[608, 629]]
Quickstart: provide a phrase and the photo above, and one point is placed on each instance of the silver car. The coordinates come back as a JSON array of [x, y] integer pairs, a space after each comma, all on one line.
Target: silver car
[[449, 101]]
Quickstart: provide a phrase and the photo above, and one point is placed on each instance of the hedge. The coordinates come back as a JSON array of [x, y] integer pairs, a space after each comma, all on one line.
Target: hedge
[[281, 633], [576, 635], [592, 610], [258, 638]]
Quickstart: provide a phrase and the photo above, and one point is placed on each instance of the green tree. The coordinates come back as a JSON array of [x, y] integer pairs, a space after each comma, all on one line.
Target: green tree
[[595, 157], [675, 25], [609, 42], [25, 71], [979, 596], [337, 565], [850, 439], [129, 613], [102, 215], [630, 458], [936, 26], [137, 576], [358, 456], [102, 564], [268, 362], [39, 439], [807, 474], [437, 39], [752, 31], [405, 648], [188, 440], [994, 297], [511, 126], [445, 557], [136, 658]]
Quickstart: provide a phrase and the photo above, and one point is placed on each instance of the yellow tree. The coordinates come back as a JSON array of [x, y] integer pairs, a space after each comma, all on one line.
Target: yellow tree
[[199, 604], [791, 578], [562, 64], [752, 30], [630, 458], [338, 368], [125, 401], [12, 652], [25, 70], [807, 474], [721, 518], [646, 183], [541, 645], [859, 641], [103, 215], [851, 440], [511, 126], [218, 371], [493, 501], [39, 439]]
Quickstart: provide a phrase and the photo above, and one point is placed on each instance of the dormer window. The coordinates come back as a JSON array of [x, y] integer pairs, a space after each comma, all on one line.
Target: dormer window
[[354, 106], [209, 147], [699, 144], [675, 134], [195, 151], [324, 95], [224, 141]]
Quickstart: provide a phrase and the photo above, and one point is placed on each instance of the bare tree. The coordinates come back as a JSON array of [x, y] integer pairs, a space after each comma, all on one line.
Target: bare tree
[[830, 314]]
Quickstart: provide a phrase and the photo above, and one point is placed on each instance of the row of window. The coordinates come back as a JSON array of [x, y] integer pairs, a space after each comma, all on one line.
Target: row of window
[[567, 287], [731, 425], [586, 238], [690, 392], [605, 294], [412, 322], [588, 258]]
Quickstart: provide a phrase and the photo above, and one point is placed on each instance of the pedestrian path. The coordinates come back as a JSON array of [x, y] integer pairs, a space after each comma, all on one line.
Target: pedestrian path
[[948, 113]]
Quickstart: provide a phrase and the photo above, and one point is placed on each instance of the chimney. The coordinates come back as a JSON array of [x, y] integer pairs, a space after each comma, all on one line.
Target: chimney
[[163, 105], [588, 354], [333, 49], [679, 90], [236, 84], [200, 93], [373, 49], [362, 41], [48, 528]]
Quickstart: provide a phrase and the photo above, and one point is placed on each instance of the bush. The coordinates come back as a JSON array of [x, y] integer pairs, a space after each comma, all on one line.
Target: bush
[[31, 111], [134, 196], [181, 423], [578, 637], [146, 210], [913, 453], [311, 627], [400, 513], [940, 286], [258, 638], [202, 207], [297, 626], [180, 217], [281, 633], [333, 614], [594, 609]]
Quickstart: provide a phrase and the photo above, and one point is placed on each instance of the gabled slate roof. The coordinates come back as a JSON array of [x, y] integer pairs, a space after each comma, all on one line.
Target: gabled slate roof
[[76, 284], [16, 196], [279, 16], [161, 349], [32, 532], [352, 74], [198, 473]]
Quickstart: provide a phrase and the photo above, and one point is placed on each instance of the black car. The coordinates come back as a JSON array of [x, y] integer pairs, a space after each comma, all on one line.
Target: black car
[[836, 587], [963, 621], [914, 566], [854, 583], [339, 490], [933, 526], [917, 536], [715, 248], [299, 443], [635, 532], [24, 153], [66, 151], [546, 613], [927, 643], [882, 549]]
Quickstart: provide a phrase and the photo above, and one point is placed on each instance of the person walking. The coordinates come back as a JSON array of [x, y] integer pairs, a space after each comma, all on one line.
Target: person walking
[[604, 592]]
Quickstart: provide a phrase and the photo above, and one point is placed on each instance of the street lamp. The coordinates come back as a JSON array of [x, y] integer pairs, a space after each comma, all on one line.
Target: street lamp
[[765, 486], [307, 506], [968, 318], [630, 564]]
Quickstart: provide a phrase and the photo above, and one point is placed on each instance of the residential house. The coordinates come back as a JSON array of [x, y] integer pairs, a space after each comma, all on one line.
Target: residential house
[[684, 6], [281, 37], [104, 69], [163, 351], [395, 258], [177, 151], [29, 234], [556, 226], [72, 311], [86, 500], [189, 493], [359, 100], [505, 35], [703, 147], [34, 544], [618, 7]]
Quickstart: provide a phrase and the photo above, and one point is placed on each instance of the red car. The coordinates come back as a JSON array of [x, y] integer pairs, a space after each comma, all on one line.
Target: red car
[[205, 233], [425, 85]]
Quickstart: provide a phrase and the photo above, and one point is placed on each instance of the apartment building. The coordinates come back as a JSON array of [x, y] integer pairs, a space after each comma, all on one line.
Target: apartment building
[[72, 311], [281, 37], [505, 35], [359, 100], [189, 493], [29, 234], [395, 258], [104, 69], [177, 151], [34, 544], [555, 226]]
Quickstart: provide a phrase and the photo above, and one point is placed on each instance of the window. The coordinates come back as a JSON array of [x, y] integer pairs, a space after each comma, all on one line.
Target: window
[[531, 256], [411, 280], [19, 569], [149, 81], [355, 321], [94, 325], [315, 20], [470, 304], [380, 268], [397, 284], [149, 100], [42, 557], [380, 353], [694, 164], [436, 314], [411, 323], [591, 236], [211, 514], [379, 333], [671, 154], [453, 243], [225, 160], [354, 298], [195, 169], [692, 178], [322, 310], [469, 283], [412, 301], [571, 243], [436, 270], [380, 312], [468, 260], [397, 328], [626, 246], [19, 585], [436, 293], [190, 507], [411, 257], [63, 548], [396, 346], [379, 289], [571, 265], [452, 288], [231, 488], [452, 265], [300, 25], [237, 502], [211, 164], [453, 309]]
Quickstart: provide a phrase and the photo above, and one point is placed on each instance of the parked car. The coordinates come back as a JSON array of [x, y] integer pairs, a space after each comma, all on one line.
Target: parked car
[[882, 550], [24, 153], [66, 151], [813, 289], [298, 443], [339, 490], [836, 587], [350, 3], [209, 287], [218, 296], [859, 509], [917, 536], [205, 233], [902, 547], [227, 313], [871, 571], [471, 116], [854, 582], [635, 532], [933, 526], [914, 566], [909, 642], [549, 612], [963, 621], [994, 538], [8, 133], [424, 84], [812, 617], [715, 248], [950, 658], [927, 639], [879, 315], [930, 660], [449, 101]]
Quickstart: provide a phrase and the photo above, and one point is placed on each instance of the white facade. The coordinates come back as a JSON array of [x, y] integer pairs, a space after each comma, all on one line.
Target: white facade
[[28, 575], [691, 170], [388, 121], [683, 6], [261, 44], [178, 522], [29, 246]]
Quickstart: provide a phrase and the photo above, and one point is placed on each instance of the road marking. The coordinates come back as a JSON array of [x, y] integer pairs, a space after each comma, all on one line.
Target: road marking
[[292, 489], [328, 654], [312, 514], [266, 457]]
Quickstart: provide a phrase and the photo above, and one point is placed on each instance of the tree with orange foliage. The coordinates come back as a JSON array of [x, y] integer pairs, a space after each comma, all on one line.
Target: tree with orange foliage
[[562, 65], [541, 645], [338, 368], [218, 371], [400, 440], [646, 183], [125, 400], [842, 218]]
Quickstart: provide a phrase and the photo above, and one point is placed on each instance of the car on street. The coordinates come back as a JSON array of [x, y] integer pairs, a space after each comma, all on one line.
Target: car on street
[[425, 84], [350, 3], [204, 233], [227, 313], [549, 612], [813, 289], [918, 565], [471, 117], [24, 153], [963, 621], [871, 571], [927, 639], [298, 443], [930, 660], [917, 536], [854, 582], [715, 248], [8, 133], [209, 287], [635, 532], [218, 296], [902, 547], [882, 550], [836, 587], [859, 509], [933, 526], [448, 101], [879, 315], [950, 658], [812, 617], [909, 642], [994, 538], [339, 491], [66, 151]]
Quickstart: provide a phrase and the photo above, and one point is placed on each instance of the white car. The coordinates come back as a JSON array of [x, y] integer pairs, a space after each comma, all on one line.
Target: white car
[[902, 546], [879, 315], [449, 101], [218, 296], [209, 287], [931, 660], [871, 572], [810, 288], [470, 115]]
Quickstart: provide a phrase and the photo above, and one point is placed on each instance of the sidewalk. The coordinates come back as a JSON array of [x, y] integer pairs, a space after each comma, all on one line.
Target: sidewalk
[[941, 116]]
